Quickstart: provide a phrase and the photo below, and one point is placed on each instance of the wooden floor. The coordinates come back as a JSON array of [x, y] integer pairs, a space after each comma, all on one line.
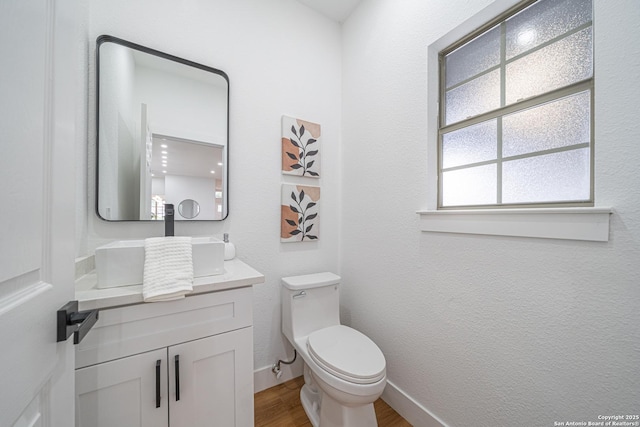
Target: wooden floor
[[280, 406]]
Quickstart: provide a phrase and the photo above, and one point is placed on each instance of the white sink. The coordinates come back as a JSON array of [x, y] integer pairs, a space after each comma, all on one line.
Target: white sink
[[121, 263]]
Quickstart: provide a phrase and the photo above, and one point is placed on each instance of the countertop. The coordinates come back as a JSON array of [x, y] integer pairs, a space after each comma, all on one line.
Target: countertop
[[237, 274]]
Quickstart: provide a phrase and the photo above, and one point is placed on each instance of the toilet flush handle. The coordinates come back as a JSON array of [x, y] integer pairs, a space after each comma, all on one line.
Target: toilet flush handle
[[300, 294]]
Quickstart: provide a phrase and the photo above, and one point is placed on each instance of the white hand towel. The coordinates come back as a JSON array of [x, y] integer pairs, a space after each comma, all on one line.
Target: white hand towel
[[168, 268]]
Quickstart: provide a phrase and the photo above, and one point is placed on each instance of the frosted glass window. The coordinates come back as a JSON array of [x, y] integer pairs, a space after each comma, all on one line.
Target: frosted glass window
[[477, 96], [563, 176], [473, 144], [515, 110], [560, 64], [471, 186], [544, 21], [473, 58], [553, 125]]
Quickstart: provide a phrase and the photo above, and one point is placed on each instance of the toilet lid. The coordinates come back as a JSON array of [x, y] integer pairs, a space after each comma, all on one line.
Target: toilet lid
[[347, 354]]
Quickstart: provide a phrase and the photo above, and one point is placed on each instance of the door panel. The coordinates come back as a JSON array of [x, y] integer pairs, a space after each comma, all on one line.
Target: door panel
[[216, 376], [24, 29], [123, 392]]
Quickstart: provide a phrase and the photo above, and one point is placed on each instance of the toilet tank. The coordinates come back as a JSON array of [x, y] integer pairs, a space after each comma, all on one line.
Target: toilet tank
[[309, 303]]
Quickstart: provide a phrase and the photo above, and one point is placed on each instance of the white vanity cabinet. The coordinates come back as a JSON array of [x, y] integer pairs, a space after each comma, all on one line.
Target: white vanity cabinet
[[181, 363]]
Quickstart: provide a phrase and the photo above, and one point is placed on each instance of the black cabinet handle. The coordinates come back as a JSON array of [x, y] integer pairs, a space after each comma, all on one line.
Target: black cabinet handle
[[177, 363], [158, 383]]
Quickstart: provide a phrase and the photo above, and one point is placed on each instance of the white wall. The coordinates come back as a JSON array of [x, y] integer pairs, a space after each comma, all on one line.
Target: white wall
[[480, 330], [157, 185], [183, 107], [281, 58], [202, 190]]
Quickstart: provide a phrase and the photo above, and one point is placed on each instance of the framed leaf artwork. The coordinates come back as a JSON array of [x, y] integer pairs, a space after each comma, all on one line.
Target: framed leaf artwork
[[300, 147], [299, 213]]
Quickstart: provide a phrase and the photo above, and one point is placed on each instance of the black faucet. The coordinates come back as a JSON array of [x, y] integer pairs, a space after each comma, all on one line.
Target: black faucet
[[168, 220]]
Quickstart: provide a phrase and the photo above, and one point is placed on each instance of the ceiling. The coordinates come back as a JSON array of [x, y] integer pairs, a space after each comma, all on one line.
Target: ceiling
[[186, 158], [338, 10]]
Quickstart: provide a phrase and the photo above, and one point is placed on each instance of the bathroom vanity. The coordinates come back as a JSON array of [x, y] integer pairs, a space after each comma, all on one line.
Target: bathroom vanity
[[187, 362]]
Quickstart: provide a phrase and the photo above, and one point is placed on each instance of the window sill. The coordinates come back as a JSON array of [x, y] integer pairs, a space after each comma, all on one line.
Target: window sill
[[591, 224]]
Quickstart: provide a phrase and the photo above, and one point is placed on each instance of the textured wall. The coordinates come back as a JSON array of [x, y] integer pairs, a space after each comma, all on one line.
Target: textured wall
[[480, 330], [281, 58]]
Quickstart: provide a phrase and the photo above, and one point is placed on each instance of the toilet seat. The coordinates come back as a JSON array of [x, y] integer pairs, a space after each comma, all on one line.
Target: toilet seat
[[347, 354]]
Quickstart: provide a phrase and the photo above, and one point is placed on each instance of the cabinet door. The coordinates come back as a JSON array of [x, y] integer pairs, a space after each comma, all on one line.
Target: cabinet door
[[122, 392], [214, 378]]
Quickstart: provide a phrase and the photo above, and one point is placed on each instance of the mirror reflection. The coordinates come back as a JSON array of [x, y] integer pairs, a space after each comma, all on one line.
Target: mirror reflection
[[162, 134], [188, 209]]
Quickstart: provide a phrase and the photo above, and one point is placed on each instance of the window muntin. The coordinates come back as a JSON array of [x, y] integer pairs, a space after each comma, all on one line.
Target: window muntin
[[515, 110]]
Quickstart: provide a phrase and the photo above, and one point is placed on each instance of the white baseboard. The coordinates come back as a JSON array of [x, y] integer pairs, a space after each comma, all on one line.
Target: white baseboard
[[264, 378], [416, 414]]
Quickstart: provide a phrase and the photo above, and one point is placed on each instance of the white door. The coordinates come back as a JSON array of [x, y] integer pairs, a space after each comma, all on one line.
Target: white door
[[214, 380], [127, 392], [38, 89]]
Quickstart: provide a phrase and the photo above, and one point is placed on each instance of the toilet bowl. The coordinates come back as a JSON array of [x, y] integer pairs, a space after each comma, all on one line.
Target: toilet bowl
[[345, 371]]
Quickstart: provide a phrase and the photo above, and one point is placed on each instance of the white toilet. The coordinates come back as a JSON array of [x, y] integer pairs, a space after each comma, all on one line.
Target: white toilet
[[345, 372]]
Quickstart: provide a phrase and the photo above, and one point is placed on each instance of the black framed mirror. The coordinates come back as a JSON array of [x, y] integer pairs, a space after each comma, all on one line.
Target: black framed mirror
[[162, 126]]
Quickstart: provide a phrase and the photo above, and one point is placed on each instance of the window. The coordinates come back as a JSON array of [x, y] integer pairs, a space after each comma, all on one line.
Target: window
[[515, 110]]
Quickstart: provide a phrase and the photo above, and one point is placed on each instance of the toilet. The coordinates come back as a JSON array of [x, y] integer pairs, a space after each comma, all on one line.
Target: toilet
[[345, 371]]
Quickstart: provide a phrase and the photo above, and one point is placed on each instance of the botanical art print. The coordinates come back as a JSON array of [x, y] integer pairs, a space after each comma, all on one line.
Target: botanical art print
[[299, 210], [300, 147]]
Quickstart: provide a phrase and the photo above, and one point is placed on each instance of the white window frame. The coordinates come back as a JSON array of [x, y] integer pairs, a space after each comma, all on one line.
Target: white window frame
[[573, 223]]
